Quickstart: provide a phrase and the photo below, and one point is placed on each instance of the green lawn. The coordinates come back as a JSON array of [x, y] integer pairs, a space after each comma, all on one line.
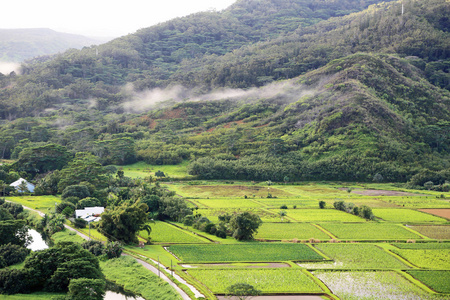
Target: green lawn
[[166, 233], [41, 203], [127, 272], [142, 170]]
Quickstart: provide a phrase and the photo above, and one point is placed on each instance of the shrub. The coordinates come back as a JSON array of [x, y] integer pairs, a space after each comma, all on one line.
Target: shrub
[[13, 254], [113, 250], [86, 289], [80, 191], [95, 247], [322, 204], [80, 223], [284, 206]]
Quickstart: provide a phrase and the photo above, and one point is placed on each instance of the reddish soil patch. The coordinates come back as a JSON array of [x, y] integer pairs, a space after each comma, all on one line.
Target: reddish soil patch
[[174, 114], [228, 125], [381, 193], [152, 124], [440, 212]]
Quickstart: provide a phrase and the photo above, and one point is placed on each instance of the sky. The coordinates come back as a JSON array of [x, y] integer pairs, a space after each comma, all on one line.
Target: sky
[[99, 18]]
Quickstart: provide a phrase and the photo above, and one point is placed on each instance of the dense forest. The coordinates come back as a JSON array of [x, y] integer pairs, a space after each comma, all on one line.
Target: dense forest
[[264, 90]]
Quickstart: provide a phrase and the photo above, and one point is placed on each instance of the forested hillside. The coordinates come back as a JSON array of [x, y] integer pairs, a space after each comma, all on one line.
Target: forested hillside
[[264, 90], [18, 45]]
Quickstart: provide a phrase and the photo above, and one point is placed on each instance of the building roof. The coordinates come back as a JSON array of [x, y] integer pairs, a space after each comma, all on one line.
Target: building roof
[[89, 211], [17, 183]]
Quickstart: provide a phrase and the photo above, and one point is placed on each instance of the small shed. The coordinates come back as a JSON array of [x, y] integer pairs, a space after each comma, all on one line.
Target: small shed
[[16, 184]]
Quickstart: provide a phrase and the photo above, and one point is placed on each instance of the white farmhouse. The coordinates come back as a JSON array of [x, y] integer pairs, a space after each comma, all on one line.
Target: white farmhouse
[[90, 214]]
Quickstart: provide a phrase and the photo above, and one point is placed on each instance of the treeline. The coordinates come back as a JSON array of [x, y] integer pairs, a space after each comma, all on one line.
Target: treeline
[[294, 168]]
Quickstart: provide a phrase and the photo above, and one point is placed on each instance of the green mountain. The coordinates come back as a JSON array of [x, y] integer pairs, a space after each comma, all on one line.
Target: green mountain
[[265, 90], [18, 45]]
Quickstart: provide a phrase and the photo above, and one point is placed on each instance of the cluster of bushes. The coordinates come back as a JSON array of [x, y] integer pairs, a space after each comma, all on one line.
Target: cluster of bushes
[[205, 225], [11, 254], [363, 211], [58, 269], [111, 250]]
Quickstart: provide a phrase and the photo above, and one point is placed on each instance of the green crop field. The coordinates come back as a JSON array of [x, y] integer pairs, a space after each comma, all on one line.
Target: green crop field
[[440, 232], [267, 280], [289, 202], [418, 202], [369, 231], [228, 203], [252, 252], [289, 231], [422, 245], [41, 203], [405, 215], [166, 233], [355, 256], [437, 280], [321, 215], [237, 190], [380, 285], [213, 214], [426, 258]]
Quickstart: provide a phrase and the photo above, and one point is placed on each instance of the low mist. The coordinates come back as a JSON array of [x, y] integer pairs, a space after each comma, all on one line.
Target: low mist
[[8, 67], [287, 91]]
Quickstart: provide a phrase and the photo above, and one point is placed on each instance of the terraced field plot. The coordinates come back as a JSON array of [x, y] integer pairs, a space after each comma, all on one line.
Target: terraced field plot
[[369, 231], [422, 245], [252, 252], [266, 280], [355, 256], [289, 202], [405, 216], [213, 214], [444, 213], [417, 202], [228, 190], [436, 280], [166, 233], [426, 258], [228, 203], [320, 215], [285, 231], [440, 232], [380, 285]]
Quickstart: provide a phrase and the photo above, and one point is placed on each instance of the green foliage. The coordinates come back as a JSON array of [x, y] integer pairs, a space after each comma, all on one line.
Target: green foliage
[[79, 191], [124, 222], [84, 288], [95, 247], [244, 226], [113, 250], [80, 223], [323, 204], [242, 291], [14, 232], [88, 202], [12, 254]]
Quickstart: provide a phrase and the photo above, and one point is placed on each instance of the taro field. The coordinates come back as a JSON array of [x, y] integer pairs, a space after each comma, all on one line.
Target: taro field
[[301, 249]]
